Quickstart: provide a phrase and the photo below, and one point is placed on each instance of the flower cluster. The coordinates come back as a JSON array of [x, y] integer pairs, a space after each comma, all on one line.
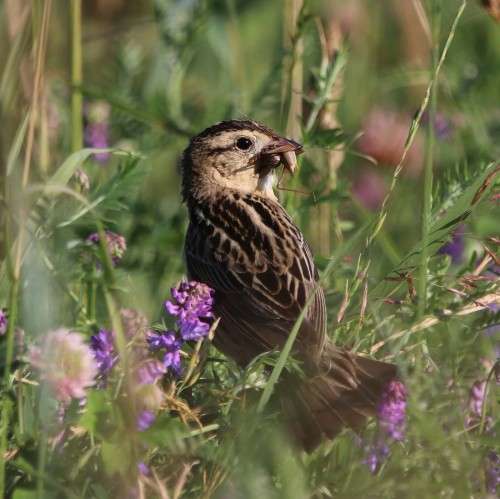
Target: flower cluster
[[115, 243], [391, 414], [103, 348], [392, 410], [191, 304], [66, 363], [97, 129], [167, 343], [3, 322]]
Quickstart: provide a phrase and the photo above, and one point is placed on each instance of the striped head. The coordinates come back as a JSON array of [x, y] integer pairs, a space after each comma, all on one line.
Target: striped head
[[238, 154]]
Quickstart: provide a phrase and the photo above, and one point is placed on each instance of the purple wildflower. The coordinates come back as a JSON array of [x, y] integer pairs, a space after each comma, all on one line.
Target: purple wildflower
[[376, 454], [166, 341], [115, 243], [97, 128], [475, 406], [103, 347], [143, 468], [493, 472], [455, 248], [192, 305], [391, 414], [149, 398], [392, 410], [145, 420], [3, 322], [443, 127]]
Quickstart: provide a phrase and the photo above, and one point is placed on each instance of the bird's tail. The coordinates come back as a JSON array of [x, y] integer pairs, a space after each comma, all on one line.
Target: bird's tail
[[345, 391]]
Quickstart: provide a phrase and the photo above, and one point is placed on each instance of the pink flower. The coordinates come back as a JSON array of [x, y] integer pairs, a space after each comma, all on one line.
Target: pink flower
[[369, 189], [383, 139], [66, 363]]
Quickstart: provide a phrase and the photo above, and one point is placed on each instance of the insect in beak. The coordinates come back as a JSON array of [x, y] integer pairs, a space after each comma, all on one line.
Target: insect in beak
[[281, 151]]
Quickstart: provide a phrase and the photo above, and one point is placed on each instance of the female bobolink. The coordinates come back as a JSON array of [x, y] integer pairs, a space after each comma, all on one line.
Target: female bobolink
[[242, 243]]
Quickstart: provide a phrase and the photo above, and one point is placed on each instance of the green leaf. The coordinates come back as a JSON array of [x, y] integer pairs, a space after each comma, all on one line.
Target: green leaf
[[96, 404], [116, 456], [17, 144], [24, 494]]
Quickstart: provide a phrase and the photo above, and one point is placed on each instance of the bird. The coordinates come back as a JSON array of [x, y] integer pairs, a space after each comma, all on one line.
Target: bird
[[242, 243]]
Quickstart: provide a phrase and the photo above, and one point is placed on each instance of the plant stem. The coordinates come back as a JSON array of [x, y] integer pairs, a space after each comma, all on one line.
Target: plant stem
[[76, 76], [429, 165]]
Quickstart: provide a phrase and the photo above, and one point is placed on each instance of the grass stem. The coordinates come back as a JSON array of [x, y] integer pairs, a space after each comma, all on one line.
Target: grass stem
[[76, 76], [429, 166]]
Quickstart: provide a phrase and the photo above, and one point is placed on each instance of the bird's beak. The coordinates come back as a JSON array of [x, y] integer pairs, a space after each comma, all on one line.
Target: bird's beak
[[283, 150]]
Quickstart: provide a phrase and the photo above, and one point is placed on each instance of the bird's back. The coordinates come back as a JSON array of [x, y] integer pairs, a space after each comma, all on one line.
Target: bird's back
[[247, 248]]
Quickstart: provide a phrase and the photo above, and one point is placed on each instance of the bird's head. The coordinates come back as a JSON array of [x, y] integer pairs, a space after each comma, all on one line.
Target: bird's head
[[237, 154]]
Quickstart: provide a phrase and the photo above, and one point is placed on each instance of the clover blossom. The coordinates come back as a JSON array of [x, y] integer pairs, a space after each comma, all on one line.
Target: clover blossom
[[192, 305], [116, 244], [66, 363], [3, 322], [150, 371], [103, 348]]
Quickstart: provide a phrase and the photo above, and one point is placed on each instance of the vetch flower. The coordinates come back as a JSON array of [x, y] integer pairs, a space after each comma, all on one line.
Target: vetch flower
[[3, 321], [149, 398], [492, 472], [456, 246], [115, 243], [391, 414], [376, 454], [192, 305], [475, 405], [167, 342], [143, 468], [392, 410], [103, 348], [66, 363], [145, 420]]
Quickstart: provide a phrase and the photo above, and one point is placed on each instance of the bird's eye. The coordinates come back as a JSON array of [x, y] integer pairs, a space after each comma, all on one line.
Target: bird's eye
[[244, 143]]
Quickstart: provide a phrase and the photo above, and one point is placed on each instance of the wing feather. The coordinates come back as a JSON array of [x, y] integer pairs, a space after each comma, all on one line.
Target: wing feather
[[249, 250]]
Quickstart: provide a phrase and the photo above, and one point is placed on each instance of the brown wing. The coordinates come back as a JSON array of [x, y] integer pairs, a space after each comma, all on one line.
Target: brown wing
[[248, 249]]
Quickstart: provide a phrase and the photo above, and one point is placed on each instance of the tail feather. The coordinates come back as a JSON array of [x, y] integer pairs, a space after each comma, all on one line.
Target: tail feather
[[344, 393]]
